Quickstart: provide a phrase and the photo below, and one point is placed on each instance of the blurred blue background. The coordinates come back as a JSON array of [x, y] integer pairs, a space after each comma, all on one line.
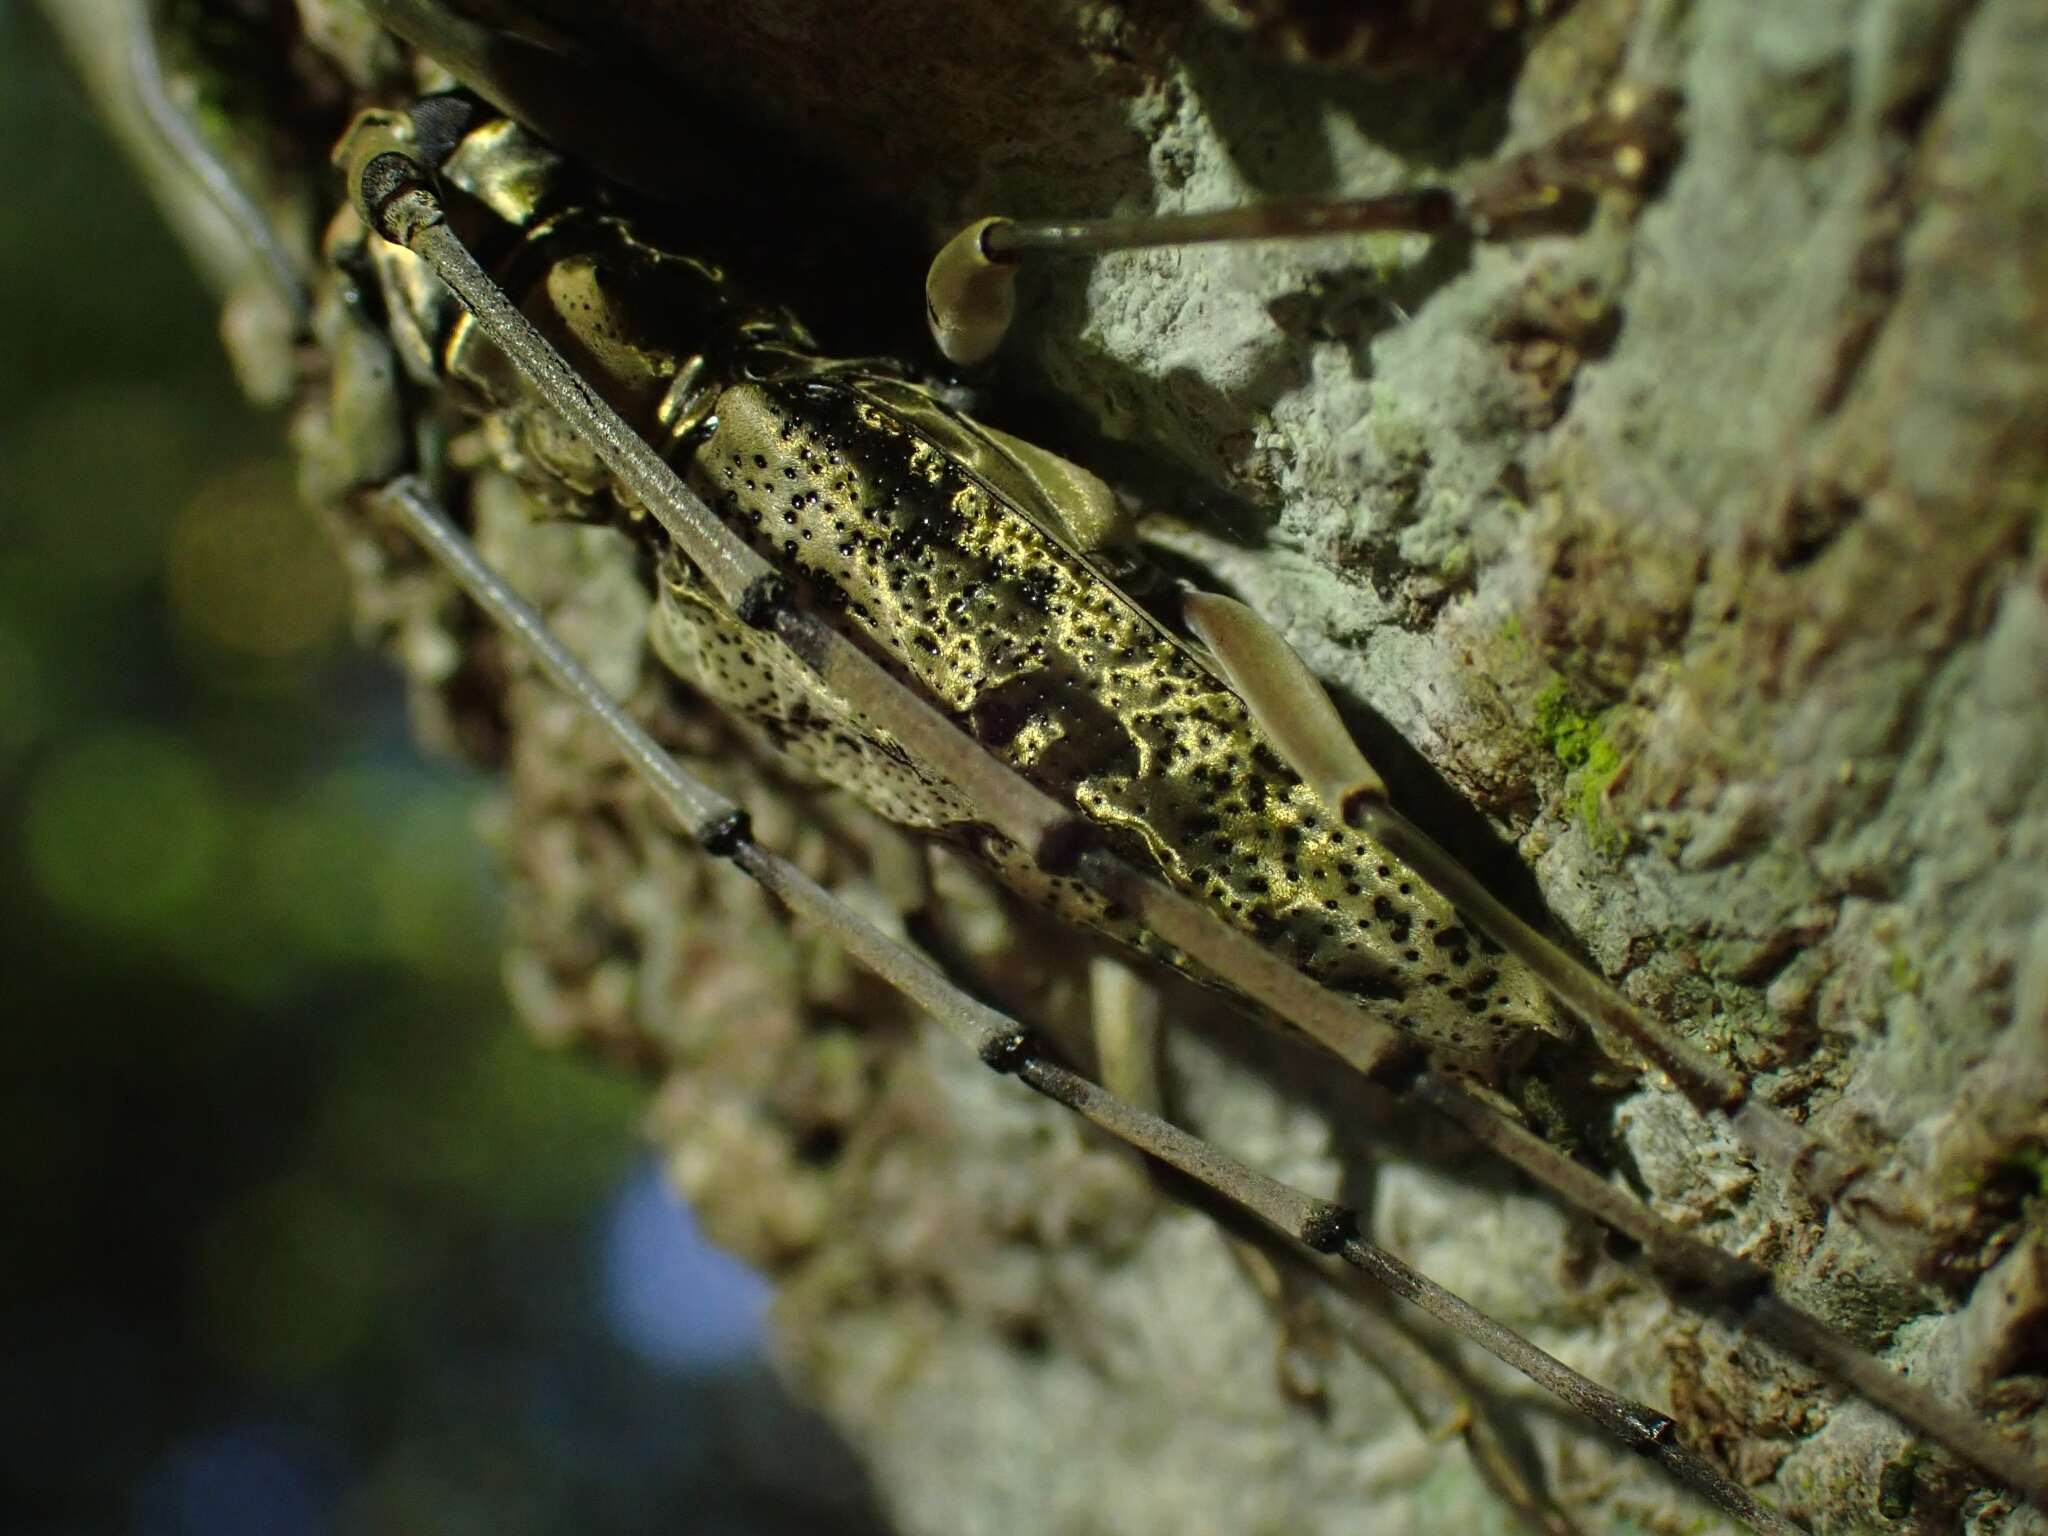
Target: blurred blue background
[[302, 1235]]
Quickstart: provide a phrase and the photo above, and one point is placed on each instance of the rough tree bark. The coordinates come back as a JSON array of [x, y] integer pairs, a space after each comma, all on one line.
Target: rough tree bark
[[1697, 556]]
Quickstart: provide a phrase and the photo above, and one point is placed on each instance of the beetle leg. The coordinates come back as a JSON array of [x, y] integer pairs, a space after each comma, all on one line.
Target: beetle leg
[[181, 137], [354, 433], [1124, 1013], [722, 829], [233, 238], [1285, 698], [1444, 1404], [395, 194], [1125, 1016], [971, 288], [1297, 717]]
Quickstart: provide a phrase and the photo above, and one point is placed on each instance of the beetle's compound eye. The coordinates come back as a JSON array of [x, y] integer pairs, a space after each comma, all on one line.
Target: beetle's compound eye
[[970, 297], [378, 141], [439, 122]]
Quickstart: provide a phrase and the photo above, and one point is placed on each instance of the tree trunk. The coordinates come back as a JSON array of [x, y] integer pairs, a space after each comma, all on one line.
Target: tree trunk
[[1684, 569]]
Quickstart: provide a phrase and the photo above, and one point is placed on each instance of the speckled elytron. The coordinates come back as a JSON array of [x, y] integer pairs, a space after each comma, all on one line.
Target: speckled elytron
[[943, 547], [660, 334], [642, 343]]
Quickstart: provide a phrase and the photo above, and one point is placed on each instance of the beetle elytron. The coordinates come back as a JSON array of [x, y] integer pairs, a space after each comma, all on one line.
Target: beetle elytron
[[1055, 722]]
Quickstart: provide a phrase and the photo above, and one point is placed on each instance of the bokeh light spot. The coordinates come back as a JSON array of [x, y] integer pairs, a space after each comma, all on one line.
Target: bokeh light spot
[[91, 469], [123, 829], [24, 694], [293, 1276], [249, 571], [312, 864], [492, 1120], [435, 894], [255, 1480], [669, 1296], [535, 1124]]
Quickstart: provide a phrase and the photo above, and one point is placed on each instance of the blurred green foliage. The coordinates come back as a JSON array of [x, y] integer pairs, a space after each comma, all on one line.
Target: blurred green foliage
[[289, 1199]]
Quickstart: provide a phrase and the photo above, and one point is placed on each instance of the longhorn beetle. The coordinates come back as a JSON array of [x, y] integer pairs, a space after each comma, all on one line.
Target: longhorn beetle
[[771, 643]]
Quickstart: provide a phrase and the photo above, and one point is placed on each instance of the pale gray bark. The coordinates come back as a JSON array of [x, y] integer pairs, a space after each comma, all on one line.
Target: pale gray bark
[[1699, 551]]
